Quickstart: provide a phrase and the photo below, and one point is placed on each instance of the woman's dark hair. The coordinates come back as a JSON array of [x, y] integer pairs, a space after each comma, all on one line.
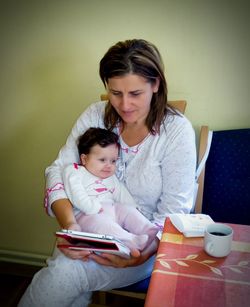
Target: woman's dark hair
[[136, 56], [96, 136]]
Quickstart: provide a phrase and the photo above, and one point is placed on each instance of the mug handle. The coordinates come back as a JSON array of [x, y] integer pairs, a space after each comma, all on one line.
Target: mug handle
[[209, 247]]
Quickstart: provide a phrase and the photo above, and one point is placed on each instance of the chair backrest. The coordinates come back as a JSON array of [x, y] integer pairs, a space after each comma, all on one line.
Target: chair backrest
[[179, 105], [203, 143], [226, 193]]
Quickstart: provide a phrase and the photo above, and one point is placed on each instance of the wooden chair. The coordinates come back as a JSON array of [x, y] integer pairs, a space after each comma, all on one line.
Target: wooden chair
[[224, 183], [139, 289], [202, 151]]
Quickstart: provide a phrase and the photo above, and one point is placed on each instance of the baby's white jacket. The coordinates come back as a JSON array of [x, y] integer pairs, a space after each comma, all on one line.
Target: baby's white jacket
[[87, 192]]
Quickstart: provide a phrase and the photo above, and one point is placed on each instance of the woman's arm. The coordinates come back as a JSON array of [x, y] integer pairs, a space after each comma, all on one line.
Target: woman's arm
[[178, 171], [63, 211], [91, 117]]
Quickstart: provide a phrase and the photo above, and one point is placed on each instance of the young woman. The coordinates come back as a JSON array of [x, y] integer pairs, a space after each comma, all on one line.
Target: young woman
[[157, 165]]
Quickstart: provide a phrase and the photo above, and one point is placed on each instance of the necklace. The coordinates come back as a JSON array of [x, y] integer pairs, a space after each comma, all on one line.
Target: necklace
[[130, 149], [127, 154]]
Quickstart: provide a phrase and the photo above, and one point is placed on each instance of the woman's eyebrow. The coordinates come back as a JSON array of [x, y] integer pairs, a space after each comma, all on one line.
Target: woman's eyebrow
[[133, 91], [113, 90]]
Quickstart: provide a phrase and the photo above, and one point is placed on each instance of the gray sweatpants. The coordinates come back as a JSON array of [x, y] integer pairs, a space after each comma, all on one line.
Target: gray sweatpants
[[67, 282]]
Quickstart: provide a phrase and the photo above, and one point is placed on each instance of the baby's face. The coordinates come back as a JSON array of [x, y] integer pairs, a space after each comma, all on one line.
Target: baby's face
[[101, 161]]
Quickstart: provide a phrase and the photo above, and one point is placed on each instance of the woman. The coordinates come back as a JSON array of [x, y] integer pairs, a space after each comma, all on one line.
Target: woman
[[157, 165]]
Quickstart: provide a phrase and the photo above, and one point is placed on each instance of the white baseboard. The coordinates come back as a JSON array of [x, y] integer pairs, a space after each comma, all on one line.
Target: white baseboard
[[23, 258]]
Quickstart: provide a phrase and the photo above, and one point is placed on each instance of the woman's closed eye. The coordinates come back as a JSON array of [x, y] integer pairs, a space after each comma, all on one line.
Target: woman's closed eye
[[134, 94], [116, 93]]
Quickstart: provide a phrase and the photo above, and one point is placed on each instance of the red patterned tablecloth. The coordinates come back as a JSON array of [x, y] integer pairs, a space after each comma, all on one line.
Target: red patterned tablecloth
[[184, 275]]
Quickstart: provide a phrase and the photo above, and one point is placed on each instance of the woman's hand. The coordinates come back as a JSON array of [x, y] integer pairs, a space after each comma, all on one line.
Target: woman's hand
[[74, 254], [137, 257], [116, 261], [62, 209], [70, 253]]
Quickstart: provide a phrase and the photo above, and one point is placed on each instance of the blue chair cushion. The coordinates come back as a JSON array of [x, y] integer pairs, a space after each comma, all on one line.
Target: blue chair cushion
[[140, 286], [226, 195]]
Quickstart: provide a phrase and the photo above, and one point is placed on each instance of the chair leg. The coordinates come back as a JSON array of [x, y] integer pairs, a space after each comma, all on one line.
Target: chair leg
[[102, 297]]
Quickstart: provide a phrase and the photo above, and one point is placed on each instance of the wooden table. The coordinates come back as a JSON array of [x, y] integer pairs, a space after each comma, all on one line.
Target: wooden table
[[184, 275]]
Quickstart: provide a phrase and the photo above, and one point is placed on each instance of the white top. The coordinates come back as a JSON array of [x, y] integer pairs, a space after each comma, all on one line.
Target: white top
[[87, 192], [159, 173]]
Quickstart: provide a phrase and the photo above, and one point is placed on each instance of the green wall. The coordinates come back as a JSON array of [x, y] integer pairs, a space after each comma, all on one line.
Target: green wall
[[49, 56]]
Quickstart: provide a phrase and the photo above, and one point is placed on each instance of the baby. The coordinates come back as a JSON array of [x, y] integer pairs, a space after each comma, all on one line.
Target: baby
[[101, 202]]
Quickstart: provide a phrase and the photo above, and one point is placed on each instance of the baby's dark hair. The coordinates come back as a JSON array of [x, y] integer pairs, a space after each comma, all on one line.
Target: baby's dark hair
[[96, 136]]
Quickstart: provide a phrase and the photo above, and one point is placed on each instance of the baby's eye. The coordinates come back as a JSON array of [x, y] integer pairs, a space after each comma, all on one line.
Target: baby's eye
[[113, 161], [102, 160]]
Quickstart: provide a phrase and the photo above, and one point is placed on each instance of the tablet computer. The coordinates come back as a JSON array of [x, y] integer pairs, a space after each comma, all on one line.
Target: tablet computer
[[99, 243]]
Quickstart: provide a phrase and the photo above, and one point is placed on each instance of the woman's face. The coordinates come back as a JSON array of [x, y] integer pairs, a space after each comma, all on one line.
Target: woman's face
[[131, 96]]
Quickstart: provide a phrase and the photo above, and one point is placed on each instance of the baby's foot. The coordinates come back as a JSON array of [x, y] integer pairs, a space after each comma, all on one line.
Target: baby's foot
[[152, 234], [140, 241]]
